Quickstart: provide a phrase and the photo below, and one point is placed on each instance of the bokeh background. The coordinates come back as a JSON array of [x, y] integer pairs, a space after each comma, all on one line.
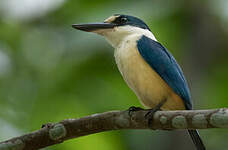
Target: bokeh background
[[50, 72]]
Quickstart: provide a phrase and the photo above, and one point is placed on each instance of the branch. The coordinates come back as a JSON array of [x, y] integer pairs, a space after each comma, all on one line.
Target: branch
[[54, 133]]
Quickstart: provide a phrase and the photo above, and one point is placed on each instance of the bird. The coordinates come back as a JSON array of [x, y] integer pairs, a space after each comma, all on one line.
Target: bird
[[148, 68]]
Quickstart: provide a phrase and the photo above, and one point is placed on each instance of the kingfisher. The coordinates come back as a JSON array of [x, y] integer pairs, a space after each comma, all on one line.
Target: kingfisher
[[148, 68]]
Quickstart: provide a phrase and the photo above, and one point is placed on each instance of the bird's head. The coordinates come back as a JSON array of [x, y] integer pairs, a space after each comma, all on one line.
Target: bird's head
[[116, 28]]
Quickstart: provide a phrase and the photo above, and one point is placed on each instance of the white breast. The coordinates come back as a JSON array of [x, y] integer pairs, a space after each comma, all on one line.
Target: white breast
[[149, 87]]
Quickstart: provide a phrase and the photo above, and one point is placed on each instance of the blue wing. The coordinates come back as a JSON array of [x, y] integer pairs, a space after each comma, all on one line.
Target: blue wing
[[159, 58]]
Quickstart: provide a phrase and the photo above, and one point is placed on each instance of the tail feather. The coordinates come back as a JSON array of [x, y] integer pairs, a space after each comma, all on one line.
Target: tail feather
[[196, 139]]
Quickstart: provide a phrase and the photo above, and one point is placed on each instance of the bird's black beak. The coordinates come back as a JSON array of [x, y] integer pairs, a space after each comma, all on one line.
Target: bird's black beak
[[90, 27]]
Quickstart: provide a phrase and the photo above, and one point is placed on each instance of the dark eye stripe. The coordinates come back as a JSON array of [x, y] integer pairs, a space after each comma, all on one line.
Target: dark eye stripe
[[123, 20], [120, 20]]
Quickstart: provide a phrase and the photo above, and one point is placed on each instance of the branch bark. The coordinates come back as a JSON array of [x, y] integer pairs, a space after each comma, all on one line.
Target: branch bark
[[54, 133]]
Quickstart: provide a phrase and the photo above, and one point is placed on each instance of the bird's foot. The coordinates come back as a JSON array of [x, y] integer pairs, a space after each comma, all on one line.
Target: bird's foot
[[47, 125], [132, 109], [149, 115]]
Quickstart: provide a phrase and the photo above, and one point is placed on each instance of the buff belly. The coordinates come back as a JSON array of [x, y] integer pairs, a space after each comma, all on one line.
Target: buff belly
[[149, 87]]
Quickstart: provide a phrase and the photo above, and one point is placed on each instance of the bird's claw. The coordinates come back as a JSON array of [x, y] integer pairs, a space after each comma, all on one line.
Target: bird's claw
[[149, 115], [47, 125], [132, 109]]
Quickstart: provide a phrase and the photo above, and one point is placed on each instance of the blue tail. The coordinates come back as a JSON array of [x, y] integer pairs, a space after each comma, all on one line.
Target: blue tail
[[196, 139]]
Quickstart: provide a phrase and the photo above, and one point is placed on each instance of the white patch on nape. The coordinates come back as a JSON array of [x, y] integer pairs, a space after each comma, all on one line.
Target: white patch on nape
[[118, 34]]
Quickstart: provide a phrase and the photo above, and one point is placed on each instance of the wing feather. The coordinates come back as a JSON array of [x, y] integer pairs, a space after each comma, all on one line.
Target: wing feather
[[162, 61]]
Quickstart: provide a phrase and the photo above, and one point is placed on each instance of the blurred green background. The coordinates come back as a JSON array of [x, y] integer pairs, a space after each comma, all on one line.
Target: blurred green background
[[50, 72]]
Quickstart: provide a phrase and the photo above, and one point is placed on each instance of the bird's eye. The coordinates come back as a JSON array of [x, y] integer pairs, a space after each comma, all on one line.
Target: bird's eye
[[120, 20], [123, 20]]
